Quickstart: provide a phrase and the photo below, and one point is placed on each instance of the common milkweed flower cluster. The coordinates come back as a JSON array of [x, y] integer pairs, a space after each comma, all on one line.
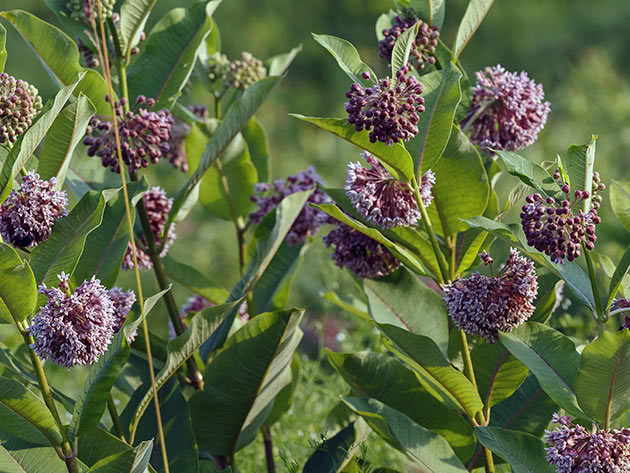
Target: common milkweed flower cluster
[[382, 199], [422, 49], [87, 10], [76, 328], [508, 110], [29, 213], [573, 449], [267, 198], [559, 228], [176, 153], [240, 73], [144, 136], [157, 205], [19, 105], [389, 109], [482, 305]]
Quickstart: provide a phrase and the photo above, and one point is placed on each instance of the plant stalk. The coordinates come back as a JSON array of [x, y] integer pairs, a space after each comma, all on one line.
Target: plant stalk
[[489, 461], [271, 465]]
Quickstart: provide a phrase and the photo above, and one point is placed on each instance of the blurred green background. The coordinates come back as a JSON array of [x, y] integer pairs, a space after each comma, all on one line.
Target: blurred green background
[[576, 48]]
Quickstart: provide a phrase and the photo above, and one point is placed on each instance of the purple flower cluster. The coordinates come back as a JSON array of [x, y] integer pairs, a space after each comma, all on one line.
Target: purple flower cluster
[[309, 220], [361, 254], [29, 213], [87, 10], [74, 329], [123, 301], [508, 110], [619, 304], [482, 305], [389, 108], [245, 71], [573, 449], [176, 153], [423, 48], [560, 228], [144, 136], [383, 200], [157, 205], [19, 104]]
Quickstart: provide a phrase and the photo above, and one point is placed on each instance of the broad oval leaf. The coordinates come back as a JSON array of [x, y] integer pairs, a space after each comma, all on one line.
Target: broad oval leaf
[[402, 49], [60, 56], [347, 57], [603, 382], [336, 452], [133, 17], [131, 461], [620, 201], [551, 357], [528, 172], [255, 136], [431, 11], [18, 289], [579, 162], [17, 456], [474, 15], [242, 381]]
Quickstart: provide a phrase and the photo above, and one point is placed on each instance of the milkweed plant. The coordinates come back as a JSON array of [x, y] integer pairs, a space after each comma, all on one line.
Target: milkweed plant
[[472, 376]]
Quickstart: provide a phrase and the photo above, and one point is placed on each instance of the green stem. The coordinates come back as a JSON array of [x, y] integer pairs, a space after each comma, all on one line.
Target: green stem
[[489, 461], [113, 413], [601, 316]]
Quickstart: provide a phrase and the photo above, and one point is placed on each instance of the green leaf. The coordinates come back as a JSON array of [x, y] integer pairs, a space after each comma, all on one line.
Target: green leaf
[[283, 401], [549, 292], [402, 49], [170, 53], [235, 119], [60, 56], [132, 461], [551, 357], [17, 456], [62, 250], [3, 48], [96, 444], [524, 452], [442, 94], [353, 305], [106, 245], [426, 449], [18, 289], [435, 372], [271, 292], [347, 57], [617, 278], [406, 302], [334, 454], [603, 382], [395, 157], [16, 399], [499, 374], [193, 280], [133, 18], [528, 172], [65, 134], [620, 201], [398, 251], [279, 64], [30, 140], [242, 381], [472, 242], [431, 11], [580, 161], [387, 380], [255, 136], [384, 22], [461, 187], [474, 15]]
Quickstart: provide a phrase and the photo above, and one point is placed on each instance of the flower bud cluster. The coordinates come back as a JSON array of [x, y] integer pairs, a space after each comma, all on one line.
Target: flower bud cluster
[[364, 256], [507, 111], [123, 301], [309, 220], [383, 200], [573, 449], [19, 104], [245, 71], [144, 136], [560, 228], [218, 67], [389, 108], [29, 213], [482, 305], [87, 10], [157, 205], [177, 144], [423, 48]]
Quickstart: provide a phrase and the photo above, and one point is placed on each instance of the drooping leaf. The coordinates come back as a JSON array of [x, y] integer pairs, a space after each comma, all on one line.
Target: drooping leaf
[[395, 157], [620, 201], [405, 301], [18, 289], [435, 372], [603, 381], [389, 381], [235, 119], [528, 172], [347, 57], [170, 53], [335, 453], [402, 49], [524, 452], [255, 136], [131, 461], [474, 15], [551, 357], [442, 93], [238, 397], [428, 450], [133, 18], [60, 56]]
